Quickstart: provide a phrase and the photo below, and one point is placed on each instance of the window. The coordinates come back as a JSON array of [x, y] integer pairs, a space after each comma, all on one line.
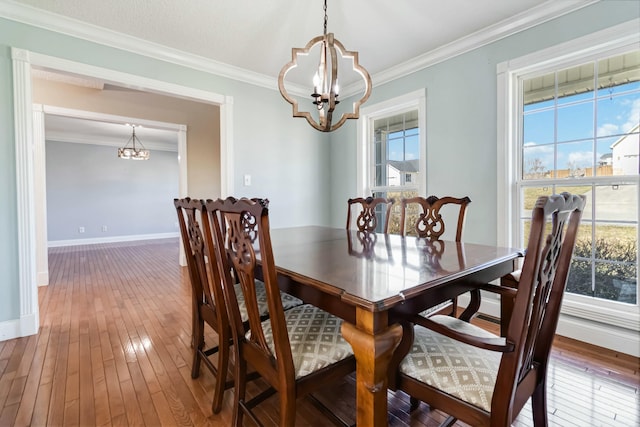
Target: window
[[391, 160], [575, 127]]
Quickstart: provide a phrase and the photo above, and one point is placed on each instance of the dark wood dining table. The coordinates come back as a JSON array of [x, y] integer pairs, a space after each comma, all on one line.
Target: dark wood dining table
[[370, 280]]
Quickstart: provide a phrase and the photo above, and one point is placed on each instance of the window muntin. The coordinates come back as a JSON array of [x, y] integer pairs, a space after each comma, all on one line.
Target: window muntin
[[580, 134]]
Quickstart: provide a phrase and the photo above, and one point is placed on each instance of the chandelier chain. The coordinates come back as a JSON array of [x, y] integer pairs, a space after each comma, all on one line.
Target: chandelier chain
[[326, 18]]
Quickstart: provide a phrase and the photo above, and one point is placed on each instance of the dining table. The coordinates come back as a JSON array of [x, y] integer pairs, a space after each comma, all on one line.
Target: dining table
[[372, 281]]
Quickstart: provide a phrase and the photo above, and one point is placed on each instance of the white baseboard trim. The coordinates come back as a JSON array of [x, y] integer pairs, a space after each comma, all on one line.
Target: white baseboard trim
[[16, 328], [42, 278], [112, 239], [596, 333]]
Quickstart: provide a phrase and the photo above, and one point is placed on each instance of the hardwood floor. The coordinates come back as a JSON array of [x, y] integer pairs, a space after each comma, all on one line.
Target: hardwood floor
[[114, 349]]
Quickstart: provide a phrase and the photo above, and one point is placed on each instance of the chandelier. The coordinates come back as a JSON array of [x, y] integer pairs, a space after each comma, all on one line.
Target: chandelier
[[133, 152], [325, 81]]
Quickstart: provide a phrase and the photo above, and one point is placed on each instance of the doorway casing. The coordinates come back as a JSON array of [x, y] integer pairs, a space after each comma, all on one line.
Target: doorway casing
[[30, 163]]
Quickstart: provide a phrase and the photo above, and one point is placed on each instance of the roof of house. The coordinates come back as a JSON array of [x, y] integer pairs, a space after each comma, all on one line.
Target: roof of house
[[405, 165]]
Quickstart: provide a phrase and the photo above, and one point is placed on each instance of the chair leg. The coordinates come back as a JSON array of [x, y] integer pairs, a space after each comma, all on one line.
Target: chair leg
[[413, 403], [223, 368], [239, 389], [198, 346], [287, 409], [539, 405]]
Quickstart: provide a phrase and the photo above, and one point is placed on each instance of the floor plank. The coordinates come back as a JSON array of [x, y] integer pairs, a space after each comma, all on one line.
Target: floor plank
[[114, 350]]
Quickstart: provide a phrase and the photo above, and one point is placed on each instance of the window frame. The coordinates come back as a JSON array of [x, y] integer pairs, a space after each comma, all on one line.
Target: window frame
[[609, 42], [365, 149]]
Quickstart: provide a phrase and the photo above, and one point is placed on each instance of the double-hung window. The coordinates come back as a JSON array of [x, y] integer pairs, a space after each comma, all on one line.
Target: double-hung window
[[391, 152], [573, 117]]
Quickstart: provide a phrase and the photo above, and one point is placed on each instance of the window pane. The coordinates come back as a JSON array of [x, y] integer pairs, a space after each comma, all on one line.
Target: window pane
[[575, 159], [397, 150], [619, 114], [618, 74], [539, 127], [575, 122], [617, 203], [412, 212], [537, 161]]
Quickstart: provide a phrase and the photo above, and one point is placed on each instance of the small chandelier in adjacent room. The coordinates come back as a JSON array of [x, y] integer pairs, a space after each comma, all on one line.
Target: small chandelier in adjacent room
[[133, 151], [325, 81]]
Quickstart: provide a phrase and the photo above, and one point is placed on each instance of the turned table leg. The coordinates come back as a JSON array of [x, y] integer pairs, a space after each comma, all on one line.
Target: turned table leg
[[373, 343]]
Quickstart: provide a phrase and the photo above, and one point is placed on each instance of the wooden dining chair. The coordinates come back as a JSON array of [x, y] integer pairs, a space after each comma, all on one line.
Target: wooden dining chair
[[295, 351], [367, 220], [207, 299], [483, 379], [208, 306], [427, 220]]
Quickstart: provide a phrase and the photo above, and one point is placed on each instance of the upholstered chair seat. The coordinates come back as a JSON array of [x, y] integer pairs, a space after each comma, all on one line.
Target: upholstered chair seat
[[314, 337], [454, 367], [288, 301]]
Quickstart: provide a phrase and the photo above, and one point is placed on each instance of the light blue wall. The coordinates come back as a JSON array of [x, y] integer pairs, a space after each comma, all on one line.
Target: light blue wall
[[89, 186], [287, 159], [461, 116]]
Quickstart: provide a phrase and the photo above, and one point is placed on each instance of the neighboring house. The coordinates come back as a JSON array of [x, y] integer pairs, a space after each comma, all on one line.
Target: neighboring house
[[402, 172], [625, 153]]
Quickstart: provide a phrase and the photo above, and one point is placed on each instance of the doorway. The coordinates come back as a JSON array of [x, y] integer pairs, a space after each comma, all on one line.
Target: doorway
[[29, 158]]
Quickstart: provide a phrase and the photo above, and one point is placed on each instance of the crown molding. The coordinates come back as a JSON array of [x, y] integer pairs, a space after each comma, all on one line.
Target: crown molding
[[542, 13], [50, 21], [72, 27]]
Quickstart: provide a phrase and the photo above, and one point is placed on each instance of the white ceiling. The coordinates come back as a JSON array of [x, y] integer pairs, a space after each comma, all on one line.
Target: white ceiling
[[255, 37]]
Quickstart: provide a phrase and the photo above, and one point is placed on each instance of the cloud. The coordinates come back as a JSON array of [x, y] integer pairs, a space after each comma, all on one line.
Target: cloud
[[608, 129]]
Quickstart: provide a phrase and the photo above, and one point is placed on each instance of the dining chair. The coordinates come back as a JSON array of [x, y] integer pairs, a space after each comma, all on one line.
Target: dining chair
[[295, 351], [427, 219], [367, 220], [207, 299], [483, 379], [208, 306]]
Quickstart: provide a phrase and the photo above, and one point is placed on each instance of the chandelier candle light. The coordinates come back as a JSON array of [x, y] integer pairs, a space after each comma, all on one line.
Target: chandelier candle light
[[133, 152], [325, 81]]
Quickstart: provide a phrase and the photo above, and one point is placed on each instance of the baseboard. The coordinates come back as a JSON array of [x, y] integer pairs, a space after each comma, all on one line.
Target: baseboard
[[599, 334], [42, 278], [112, 239], [16, 328]]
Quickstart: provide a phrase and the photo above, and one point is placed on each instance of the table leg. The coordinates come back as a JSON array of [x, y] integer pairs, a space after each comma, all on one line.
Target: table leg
[[373, 343]]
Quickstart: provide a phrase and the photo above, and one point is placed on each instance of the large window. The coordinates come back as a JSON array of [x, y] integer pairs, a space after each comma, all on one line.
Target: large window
[[575, 127], [392, 152]]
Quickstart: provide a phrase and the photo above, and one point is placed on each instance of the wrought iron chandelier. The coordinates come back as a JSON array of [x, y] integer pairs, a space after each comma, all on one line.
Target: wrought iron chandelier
[[325, 81], [135, 152]]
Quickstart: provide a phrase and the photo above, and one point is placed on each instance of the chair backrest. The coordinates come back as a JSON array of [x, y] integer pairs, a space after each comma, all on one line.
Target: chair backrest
[[429, 223], [203, 275], [538, 298], [367, 219], [240, 230]]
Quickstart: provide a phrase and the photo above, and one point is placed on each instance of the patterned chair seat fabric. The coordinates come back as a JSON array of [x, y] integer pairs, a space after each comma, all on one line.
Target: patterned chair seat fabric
[[315, 338], [459, 369], [288, 301]]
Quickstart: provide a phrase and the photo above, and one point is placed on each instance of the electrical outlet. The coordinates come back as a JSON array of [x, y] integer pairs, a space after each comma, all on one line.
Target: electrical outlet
[[80, 229], [104, 228]]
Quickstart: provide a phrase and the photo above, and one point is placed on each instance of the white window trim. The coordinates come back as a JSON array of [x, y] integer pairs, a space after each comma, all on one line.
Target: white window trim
[[410, 101], [618, 38]]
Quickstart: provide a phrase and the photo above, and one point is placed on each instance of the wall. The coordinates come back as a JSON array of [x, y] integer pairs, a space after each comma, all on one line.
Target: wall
[[287, 159], [461, 116], [89, 186], [202, 121]]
